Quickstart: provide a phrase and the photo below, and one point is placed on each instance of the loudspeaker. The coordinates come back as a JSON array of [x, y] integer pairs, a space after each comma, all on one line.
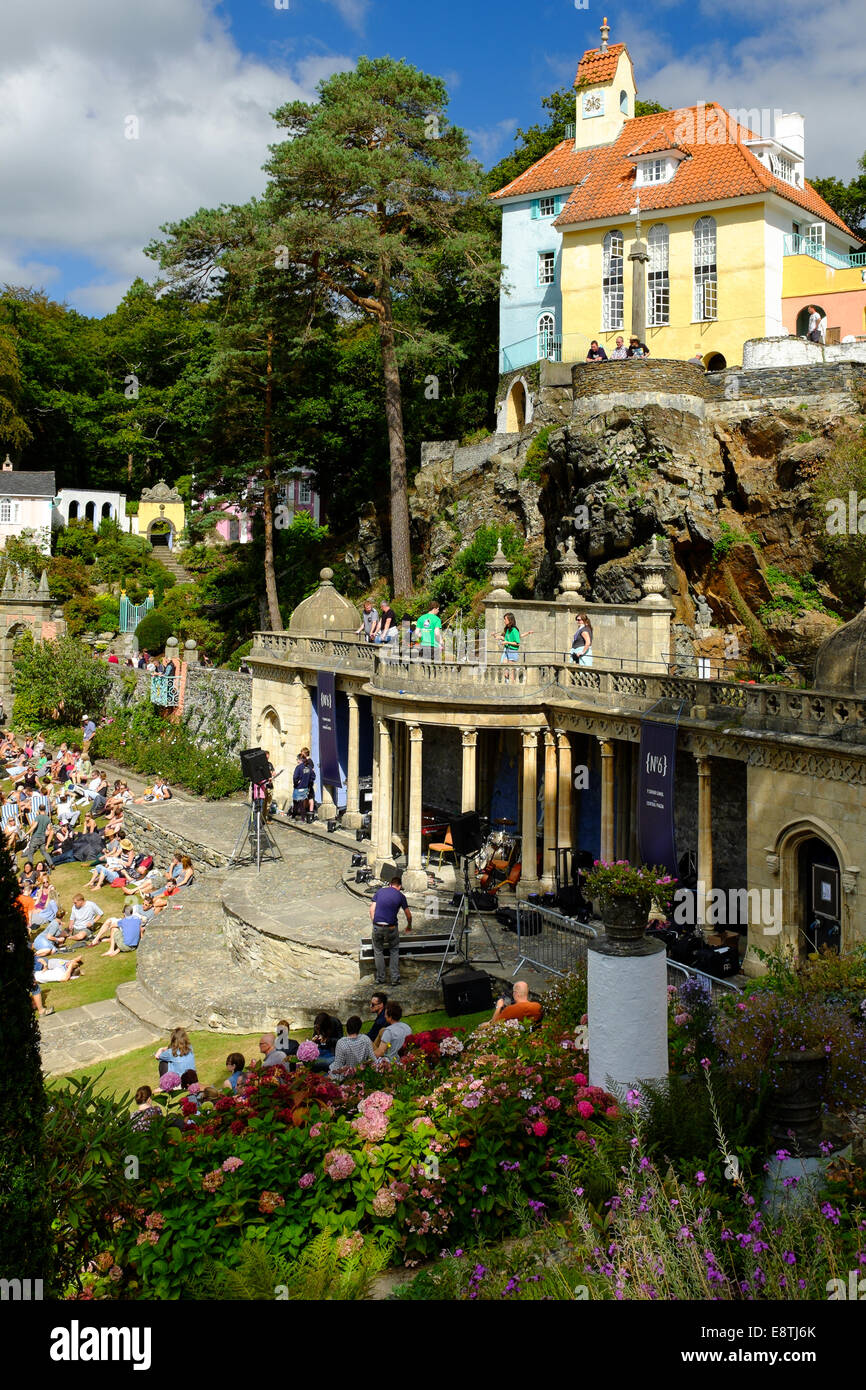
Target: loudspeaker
[[254, 764], [466, 992], [466, 834], [358, 860]]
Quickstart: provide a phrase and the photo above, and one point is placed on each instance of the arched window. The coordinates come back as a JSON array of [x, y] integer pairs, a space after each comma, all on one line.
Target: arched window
[[106, 509], [706, 277], [73, 511], [658, 286], [612, 281], [623, 103], [546, 337], [90, 511]]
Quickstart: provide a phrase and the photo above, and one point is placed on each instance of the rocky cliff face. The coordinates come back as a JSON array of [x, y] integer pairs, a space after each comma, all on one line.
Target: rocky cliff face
[[724, 474]]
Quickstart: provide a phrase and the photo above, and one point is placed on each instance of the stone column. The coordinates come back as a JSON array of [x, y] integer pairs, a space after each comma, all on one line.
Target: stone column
[[374, 798], [638, 257], [705, 837], [627, 1008], [529, 814], [470, 745], [548, 860], [352, 815], [384, 853], [415, 876], [565, 799], [607, 775]]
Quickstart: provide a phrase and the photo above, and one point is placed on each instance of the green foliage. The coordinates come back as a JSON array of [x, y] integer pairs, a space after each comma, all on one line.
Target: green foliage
[[154, 630], [56, 683], [24, 1247], [728, 538], [565, 1001], [320, 1274], [463, 583], [141, 738], [536, 455], [802, 593], [843, 472], [81, 614]]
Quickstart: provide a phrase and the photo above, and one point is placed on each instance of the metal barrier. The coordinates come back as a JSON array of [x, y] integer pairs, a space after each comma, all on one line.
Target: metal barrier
[[717, 987], [550, 941]]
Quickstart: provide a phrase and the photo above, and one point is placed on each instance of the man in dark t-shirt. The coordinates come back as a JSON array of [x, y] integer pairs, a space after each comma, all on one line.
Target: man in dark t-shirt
[[384, 913], [377, 1006]]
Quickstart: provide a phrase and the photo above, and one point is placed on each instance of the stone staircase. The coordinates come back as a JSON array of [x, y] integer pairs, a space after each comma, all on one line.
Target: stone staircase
[[169, 562]]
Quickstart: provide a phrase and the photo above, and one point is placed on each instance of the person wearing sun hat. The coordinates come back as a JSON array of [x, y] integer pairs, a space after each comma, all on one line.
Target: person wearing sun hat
[[116, 866]]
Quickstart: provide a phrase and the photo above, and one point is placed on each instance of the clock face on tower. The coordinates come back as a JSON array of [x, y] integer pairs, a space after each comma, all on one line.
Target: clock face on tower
[[593, 104]]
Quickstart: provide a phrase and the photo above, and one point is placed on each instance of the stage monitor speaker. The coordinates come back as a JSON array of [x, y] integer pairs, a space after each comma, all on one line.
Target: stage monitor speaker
[[466, 992], [466, 834], [254, 764]]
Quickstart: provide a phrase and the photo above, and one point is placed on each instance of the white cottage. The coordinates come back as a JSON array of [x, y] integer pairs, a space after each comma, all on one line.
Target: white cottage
[[26, 504]]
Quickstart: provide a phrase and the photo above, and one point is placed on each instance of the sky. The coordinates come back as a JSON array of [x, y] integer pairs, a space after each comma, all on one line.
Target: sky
[[118, 118]]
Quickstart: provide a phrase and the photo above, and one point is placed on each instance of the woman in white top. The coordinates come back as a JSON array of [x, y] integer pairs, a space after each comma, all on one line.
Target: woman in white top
[[581, 642]]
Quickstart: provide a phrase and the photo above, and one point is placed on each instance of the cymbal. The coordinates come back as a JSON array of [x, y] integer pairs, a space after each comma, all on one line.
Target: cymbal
[[503, 820]]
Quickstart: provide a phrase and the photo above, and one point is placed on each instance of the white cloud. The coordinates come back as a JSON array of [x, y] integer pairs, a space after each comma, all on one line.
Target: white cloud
[[73, 184], [489, 141], [354, 12]]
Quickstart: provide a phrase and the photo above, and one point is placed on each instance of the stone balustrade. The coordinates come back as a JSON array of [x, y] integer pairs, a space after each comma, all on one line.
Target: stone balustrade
[[777, 708]]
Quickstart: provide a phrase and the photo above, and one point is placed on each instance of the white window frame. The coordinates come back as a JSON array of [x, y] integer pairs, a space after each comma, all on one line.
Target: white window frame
[[658, 276], [6, 511], [612, 283], [706, 275], [305, 492], [653, 171], [547, 268], [547, 206], [545, 337], [816, 234]]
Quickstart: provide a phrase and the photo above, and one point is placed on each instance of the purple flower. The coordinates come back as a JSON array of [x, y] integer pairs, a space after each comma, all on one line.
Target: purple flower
[[307, 1051], [169, 1081], [306, 1180], [700, 1177]]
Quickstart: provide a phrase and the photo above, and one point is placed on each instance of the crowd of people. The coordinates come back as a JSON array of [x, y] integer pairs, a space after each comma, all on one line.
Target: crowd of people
[[60, 809]]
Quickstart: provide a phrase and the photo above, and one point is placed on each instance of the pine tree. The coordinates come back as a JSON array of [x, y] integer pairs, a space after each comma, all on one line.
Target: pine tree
[[25, 1250]]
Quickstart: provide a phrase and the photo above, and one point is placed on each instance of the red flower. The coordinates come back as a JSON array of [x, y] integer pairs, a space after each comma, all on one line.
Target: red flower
[[238, 1126], [188, 1107]]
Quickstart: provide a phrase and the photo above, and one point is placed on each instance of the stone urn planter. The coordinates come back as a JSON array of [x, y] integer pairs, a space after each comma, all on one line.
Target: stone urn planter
[[795, 1107], [624, 918]]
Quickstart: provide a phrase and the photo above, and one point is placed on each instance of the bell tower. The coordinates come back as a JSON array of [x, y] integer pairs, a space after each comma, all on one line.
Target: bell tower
[[605, 91]]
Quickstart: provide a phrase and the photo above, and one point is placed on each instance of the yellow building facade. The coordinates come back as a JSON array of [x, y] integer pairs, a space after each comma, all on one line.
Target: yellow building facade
[[741, 285]]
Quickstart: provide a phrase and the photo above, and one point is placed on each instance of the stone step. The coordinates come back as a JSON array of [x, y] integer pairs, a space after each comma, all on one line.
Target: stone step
[[143, 1009]]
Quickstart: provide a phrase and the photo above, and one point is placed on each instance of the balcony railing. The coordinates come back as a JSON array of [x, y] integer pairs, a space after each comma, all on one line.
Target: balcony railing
[[539, 348], [164, 691], [630, 686], [798, 245]]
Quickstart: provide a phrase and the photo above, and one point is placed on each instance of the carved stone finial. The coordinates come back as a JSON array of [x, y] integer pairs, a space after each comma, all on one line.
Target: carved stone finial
[[572, 575], [499, 569]]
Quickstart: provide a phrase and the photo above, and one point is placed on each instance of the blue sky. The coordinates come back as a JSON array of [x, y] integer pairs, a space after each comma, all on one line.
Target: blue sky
[[80, 199]]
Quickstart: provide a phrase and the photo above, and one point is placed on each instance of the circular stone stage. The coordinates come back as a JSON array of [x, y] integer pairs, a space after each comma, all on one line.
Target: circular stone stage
[[239, 950]]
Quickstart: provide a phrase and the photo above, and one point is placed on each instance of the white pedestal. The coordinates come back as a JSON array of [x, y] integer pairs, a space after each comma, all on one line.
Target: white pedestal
[[628, 1013]]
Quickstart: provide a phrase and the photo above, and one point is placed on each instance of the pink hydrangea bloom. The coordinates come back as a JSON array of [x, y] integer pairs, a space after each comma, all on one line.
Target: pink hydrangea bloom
[[306, 1180], [339, 1164], [585, 1109], [231, 1164], [307, 1051], [539, 1128]]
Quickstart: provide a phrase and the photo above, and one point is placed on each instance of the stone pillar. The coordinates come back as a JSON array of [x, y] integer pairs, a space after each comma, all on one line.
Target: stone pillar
[[469, 784], [415, 876], [638, 257], [529, 814], [607, 776], [565, 800], [705, 837], [190, 653], [627, 1008], [548, 860], [384, 853], [374, 797], [352, 815]]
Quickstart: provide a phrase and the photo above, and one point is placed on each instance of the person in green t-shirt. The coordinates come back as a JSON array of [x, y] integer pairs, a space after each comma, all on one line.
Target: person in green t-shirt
[[428, 633]]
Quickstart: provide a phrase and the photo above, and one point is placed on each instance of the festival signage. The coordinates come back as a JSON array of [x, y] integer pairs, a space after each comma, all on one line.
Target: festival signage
[[656, 834], [326, 706]]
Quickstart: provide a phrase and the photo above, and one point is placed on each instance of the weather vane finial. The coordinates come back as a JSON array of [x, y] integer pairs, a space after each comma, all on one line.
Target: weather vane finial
[[605, 34]]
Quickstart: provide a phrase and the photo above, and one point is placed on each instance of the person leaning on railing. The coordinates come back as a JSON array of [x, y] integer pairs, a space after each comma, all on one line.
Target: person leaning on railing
[[581, 642]]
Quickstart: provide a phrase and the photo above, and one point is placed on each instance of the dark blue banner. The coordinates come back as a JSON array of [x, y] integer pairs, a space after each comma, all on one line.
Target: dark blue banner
[[326, 707], [655, 812]]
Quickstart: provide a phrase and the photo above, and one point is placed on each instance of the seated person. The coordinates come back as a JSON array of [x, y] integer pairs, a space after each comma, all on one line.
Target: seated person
[[125, 932], [183, 880], [178, 1056], [62, 846], [67, 813], [27, 877], [83, 918], [237, 1068], [160, 791], [523, 1006], [49, 941], [326, 1032], [142, 879], [352, 1051], [118, 864], [10, 822], [272, 1056], [394, 1034], [146, 1110]]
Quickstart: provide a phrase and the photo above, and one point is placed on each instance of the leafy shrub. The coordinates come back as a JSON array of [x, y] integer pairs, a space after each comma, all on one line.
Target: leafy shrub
[[466, 579], [144, 740], [154, 631], [81, 614], [536, 455], [56, 682]]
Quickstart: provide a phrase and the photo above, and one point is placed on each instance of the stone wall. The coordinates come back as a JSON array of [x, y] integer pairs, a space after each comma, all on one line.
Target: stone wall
[[795, 352], [148, 835], [217, 705]]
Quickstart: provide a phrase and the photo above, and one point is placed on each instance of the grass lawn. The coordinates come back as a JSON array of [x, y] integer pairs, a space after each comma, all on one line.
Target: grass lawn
[[100, 977], [126, 1074]]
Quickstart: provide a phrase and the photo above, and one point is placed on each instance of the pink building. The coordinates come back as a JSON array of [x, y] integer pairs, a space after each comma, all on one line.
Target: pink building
[[294, 494]]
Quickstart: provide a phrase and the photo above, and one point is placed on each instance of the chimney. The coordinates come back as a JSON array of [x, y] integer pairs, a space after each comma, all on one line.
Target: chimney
[[7, 464], [790, 130]]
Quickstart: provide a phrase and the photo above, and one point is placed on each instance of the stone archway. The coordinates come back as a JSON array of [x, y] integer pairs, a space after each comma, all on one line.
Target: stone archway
[[800, 841], [802, 327], [270, 736], [7, 646], [515, 408], [715, 362], [161, 532]]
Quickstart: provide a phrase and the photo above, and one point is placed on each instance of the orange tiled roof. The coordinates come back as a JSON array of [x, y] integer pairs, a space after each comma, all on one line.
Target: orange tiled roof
[[598, 67], [603, 178]]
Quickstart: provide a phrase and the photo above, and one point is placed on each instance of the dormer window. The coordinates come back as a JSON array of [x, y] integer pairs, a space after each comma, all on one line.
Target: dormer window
[[657, 170], [782, 168]]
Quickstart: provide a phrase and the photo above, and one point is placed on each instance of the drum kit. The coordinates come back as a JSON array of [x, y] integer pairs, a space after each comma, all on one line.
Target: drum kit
[[499, 853]]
